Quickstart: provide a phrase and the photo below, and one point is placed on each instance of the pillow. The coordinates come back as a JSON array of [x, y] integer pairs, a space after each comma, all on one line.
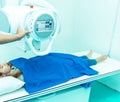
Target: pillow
[[9, 84]]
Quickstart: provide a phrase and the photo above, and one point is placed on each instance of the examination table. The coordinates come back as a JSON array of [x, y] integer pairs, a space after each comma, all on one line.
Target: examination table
[[69, 90]]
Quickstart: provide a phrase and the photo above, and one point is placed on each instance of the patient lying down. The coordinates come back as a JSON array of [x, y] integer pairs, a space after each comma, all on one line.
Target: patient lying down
[[45, 71]]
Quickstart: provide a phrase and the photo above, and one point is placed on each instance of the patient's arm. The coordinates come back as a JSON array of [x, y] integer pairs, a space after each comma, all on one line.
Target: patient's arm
[[5, 38]]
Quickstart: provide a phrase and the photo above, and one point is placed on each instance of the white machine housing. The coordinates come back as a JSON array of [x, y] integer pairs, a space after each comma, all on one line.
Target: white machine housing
[[40, 18]]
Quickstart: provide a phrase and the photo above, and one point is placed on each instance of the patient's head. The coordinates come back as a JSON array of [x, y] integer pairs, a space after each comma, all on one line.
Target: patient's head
[[4, 69]]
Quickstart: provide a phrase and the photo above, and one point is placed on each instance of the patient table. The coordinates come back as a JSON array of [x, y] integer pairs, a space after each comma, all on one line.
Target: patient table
[[106, 68]]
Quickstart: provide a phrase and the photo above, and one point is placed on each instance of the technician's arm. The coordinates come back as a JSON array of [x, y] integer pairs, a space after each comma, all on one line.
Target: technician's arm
[[10, 38]]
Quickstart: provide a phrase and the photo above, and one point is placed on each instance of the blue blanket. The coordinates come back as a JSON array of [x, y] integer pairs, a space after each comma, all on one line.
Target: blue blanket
[[42, 72]]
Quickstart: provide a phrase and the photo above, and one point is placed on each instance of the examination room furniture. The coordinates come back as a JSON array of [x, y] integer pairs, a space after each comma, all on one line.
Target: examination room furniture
[[69, 89]]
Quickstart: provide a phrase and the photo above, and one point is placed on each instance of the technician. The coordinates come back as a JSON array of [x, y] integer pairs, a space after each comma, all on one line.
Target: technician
[[4, 38]]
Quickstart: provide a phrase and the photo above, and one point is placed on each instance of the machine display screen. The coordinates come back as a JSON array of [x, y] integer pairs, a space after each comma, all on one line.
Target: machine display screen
[[44, 26]]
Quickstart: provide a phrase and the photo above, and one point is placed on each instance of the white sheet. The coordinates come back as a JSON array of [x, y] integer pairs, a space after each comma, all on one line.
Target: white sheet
[[106, 68]]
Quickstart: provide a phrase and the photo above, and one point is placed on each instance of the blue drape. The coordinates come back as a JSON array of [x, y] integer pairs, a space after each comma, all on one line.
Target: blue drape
[[42, 72]]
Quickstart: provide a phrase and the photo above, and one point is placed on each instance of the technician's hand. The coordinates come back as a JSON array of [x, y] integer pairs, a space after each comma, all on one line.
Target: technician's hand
[[21, 32]]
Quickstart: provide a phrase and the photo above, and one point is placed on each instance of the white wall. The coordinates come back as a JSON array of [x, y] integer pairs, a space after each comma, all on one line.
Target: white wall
[[115, 49], [86, 24], [11, 2], [66, 10], [11, 51], [94, 24], [113, 81]]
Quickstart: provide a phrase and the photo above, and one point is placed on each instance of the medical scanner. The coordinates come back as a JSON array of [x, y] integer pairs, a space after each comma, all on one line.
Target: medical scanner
[[38, 17]]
